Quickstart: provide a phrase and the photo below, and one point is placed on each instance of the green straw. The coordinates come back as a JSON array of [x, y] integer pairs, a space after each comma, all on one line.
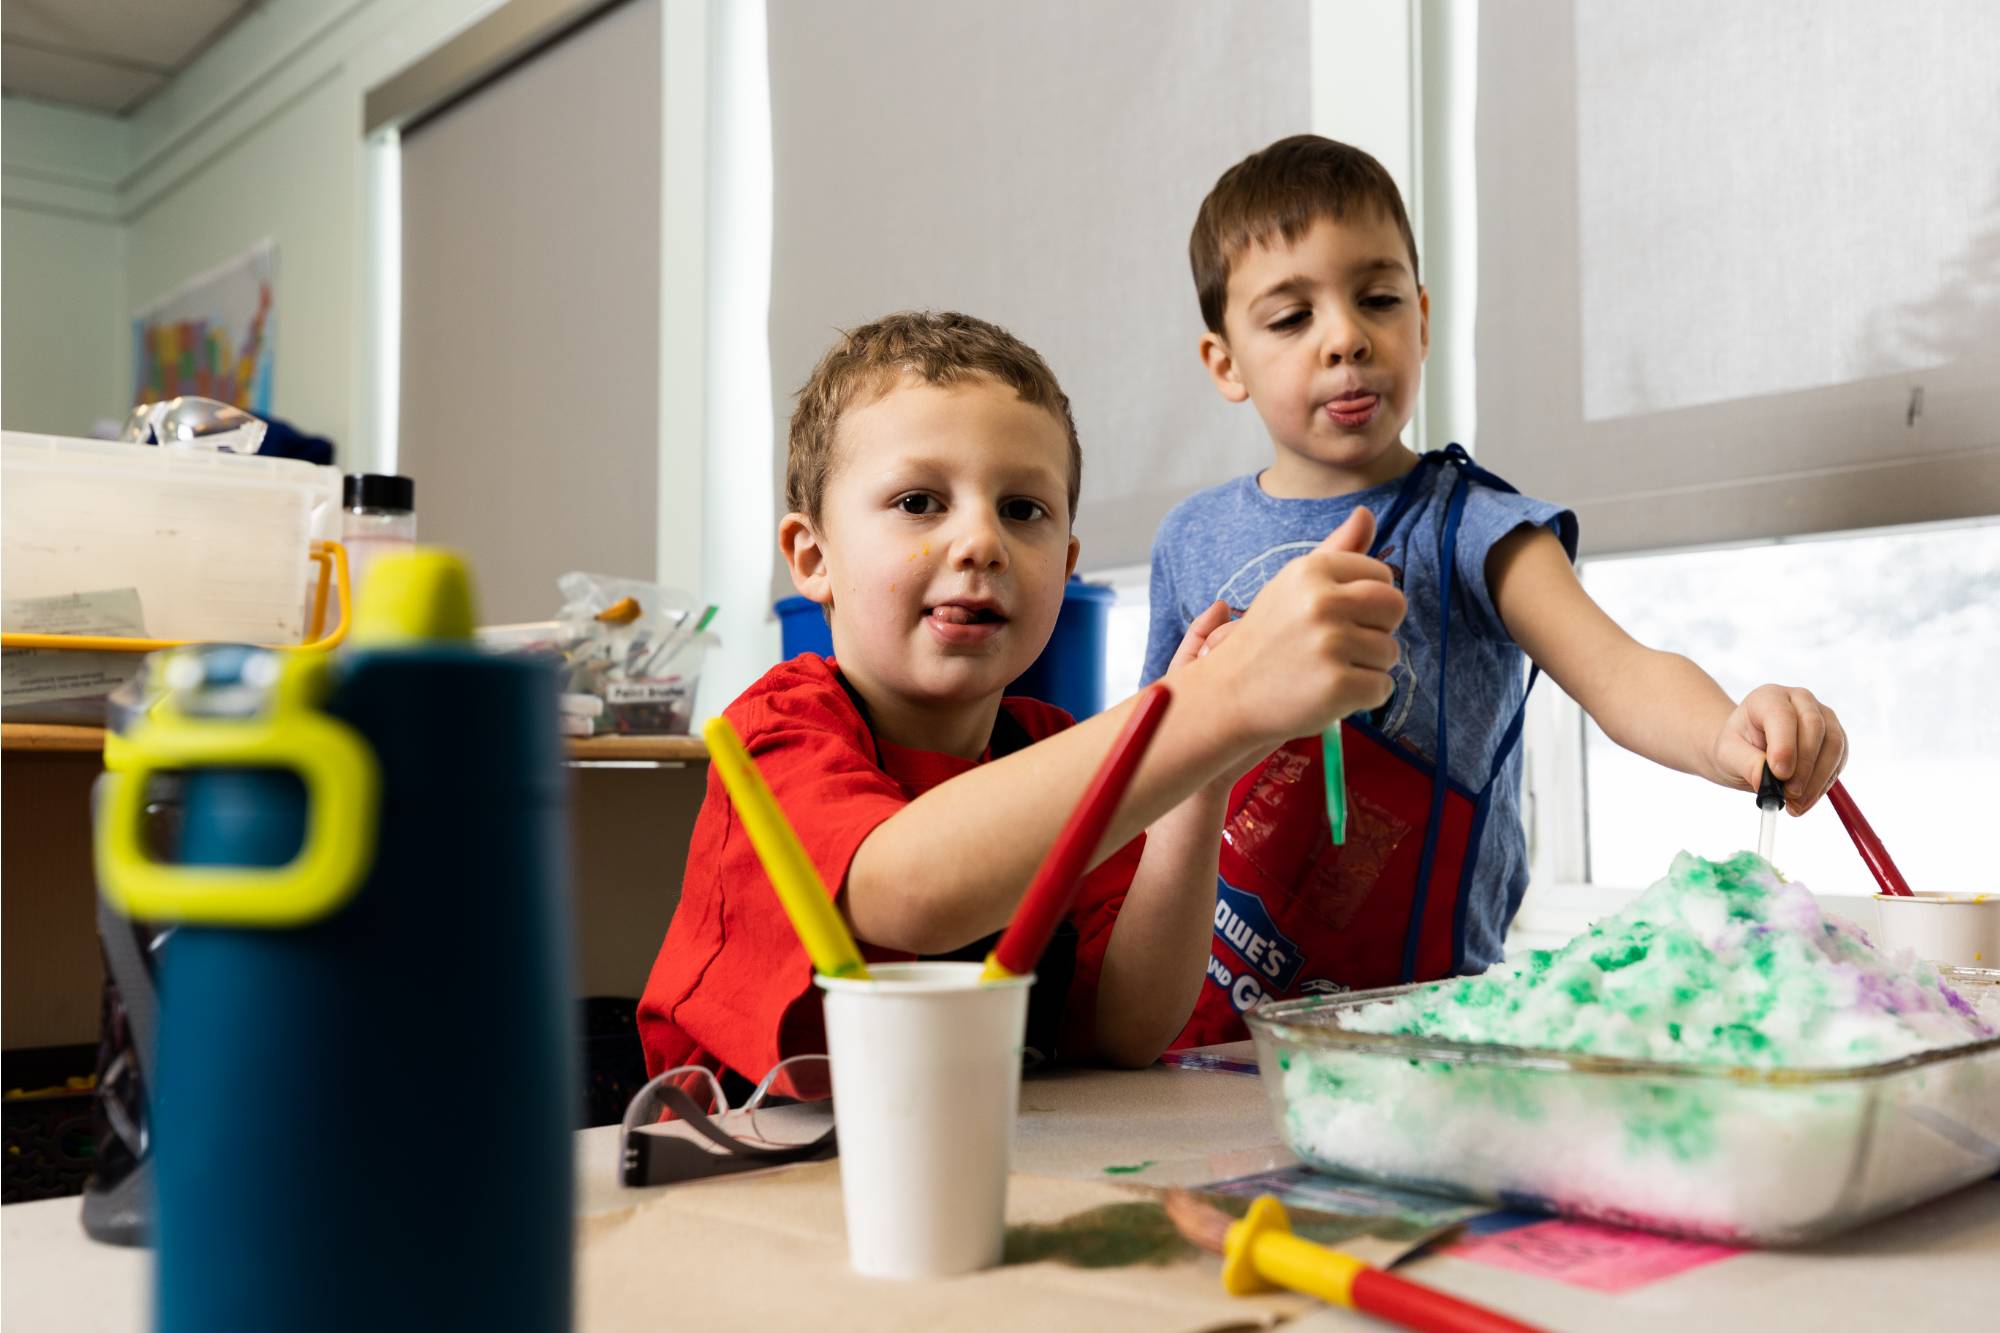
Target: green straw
[[1336, 783]]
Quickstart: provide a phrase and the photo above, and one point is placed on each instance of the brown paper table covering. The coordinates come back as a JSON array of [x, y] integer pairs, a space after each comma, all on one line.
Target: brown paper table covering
[[772, 1252]]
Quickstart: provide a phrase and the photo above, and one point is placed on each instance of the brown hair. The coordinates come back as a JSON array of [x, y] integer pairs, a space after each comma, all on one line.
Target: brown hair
[[1283, 190], [940, 347]]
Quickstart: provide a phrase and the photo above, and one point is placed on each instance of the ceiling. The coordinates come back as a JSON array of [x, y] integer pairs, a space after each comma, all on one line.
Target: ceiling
[[106, 55]]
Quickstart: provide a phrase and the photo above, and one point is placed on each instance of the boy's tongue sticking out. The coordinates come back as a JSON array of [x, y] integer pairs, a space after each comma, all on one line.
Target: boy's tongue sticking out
[[966, 620], [1356, 408]]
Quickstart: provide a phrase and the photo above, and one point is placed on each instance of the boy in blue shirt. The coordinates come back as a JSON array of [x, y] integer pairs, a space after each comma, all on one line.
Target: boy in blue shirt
[[1306, 269]]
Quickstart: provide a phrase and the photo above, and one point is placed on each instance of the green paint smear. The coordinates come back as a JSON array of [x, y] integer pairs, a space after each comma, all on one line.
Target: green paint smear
[[1680, 1123], [1330, 1082], [1120, 1235], [1127, 1170], [1116, 1235], [1610, 960]]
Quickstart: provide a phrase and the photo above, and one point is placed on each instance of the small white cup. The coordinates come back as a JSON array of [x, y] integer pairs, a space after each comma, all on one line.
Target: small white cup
[[926, 1084], [1962, 929]]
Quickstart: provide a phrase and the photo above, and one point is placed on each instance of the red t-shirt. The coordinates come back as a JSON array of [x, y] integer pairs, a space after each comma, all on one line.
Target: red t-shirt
[[732, 987]]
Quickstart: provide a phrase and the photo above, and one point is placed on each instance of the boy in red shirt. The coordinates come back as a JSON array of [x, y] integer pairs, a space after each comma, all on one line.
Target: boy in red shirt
[[932, 477]]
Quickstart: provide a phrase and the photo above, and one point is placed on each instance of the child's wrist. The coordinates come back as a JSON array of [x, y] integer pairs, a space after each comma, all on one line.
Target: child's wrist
[[1238, 726]]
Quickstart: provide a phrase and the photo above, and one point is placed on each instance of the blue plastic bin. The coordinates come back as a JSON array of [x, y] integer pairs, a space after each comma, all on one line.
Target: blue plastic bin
[[804, 627], [1068, 674], [1070, 671]]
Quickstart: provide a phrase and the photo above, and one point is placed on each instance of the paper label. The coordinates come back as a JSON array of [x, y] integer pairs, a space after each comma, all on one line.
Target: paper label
[[1588, 1254], [112, 611], [48, 675], [643, 691]]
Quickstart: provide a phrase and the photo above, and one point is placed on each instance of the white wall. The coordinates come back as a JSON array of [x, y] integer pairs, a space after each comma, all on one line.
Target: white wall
[[287, 182], [259, 138], [65, 342]]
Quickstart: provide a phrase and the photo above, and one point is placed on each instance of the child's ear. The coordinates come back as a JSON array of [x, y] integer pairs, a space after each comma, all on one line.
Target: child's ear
[[1222, 368], [1075, 547], [1424, 312], [805, 556]]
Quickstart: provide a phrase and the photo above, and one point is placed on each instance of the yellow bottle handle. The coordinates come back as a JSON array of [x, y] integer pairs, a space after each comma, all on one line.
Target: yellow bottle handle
[[341, 782]]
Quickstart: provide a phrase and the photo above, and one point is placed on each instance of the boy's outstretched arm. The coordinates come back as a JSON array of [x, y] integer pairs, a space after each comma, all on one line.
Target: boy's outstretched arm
[[949, 867], [1654, 703]]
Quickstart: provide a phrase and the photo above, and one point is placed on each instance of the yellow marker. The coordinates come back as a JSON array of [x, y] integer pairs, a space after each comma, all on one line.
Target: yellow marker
[[792, 873]]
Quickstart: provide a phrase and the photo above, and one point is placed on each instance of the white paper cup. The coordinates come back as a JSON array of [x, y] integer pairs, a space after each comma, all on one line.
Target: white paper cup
[[926, 1083], [1962, 929]]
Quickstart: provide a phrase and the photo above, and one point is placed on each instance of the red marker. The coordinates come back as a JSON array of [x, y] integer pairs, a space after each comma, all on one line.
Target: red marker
[[1873, 853], [1055, 884]]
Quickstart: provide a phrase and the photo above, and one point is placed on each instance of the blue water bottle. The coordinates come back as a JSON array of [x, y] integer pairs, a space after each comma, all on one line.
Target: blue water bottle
[[365, 1085]]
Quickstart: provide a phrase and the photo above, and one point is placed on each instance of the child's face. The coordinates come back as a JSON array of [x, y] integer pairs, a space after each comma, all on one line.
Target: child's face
[[943, 541], [1328, 338]]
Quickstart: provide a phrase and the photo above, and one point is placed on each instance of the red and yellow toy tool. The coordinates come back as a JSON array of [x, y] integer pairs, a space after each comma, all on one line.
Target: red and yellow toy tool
[[1260, 1252]]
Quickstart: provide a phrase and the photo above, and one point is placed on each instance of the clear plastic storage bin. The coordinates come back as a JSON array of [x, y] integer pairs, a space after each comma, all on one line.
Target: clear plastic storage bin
[[137, 542], [1738, 1155], [215, 544]]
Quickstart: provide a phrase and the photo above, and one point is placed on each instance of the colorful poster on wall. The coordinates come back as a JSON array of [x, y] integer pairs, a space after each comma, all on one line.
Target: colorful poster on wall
[[213, 337]]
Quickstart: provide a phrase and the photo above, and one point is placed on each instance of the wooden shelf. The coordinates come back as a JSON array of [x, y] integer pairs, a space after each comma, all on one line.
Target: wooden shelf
[[41, 738], [51, 739], [638, 749]]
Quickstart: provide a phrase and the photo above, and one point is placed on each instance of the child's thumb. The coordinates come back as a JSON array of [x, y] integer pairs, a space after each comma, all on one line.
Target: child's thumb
[[1355, 535]]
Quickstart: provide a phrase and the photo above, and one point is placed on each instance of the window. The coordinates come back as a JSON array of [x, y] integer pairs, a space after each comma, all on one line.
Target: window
[[1125, 632], [1702, 325], [1684, 238], [1895, 629], [1729, 289]]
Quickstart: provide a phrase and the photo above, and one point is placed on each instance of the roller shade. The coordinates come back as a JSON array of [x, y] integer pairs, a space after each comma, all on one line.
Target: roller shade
[[530, 329], [1039, 165], [1740, 264]]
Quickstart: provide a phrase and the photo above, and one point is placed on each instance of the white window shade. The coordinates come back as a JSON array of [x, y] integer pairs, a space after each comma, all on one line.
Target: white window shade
[[1039, 165], [1740, 264], [530, 316]]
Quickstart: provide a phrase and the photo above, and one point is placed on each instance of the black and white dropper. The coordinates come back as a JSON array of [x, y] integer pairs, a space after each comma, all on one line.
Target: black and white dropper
[[1770, 800]]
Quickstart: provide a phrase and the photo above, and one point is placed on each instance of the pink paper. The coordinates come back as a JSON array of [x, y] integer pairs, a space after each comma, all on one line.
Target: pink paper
[[1586, 1254]]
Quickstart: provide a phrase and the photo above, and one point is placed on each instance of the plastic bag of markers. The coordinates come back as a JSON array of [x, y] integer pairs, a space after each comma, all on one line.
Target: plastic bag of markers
[[638, 647]]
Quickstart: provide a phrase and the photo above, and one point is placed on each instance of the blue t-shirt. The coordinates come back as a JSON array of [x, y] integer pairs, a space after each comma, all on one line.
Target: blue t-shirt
[[1226, 543]]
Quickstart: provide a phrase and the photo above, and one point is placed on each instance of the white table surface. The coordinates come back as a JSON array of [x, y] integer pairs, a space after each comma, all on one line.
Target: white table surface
[[1935, 1267]]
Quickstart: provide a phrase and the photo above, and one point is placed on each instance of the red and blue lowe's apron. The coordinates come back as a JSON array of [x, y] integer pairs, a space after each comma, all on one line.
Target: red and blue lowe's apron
[[1297, 915]]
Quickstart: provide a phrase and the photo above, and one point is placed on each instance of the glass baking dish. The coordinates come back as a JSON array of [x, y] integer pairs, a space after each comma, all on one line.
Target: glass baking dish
[[1737, 1155]]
